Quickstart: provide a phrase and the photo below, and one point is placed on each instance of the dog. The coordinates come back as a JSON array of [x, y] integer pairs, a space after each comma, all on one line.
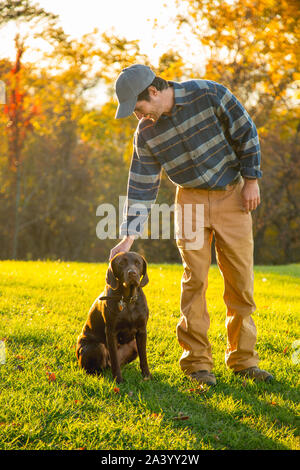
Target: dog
[[115, 331]]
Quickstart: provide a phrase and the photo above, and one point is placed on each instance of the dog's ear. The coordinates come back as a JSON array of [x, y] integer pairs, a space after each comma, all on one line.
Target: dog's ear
[[145, 279], [110, 278]]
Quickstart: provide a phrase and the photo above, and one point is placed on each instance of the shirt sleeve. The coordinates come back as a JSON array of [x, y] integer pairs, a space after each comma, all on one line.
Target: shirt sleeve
[[240, 131], [143, 184]]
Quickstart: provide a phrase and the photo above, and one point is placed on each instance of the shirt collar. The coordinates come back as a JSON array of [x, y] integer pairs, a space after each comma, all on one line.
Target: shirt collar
[[179, 93], [179, 98]]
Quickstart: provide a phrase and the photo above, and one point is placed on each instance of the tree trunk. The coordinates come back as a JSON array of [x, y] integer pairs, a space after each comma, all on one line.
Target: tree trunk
[[17, 212]]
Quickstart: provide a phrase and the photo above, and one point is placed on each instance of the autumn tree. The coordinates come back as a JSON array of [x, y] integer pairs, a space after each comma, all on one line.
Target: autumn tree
[[252, 47], [75, 155], [19, 110]]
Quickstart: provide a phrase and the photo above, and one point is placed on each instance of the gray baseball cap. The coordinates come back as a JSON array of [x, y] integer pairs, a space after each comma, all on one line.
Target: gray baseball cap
[[129, 84]]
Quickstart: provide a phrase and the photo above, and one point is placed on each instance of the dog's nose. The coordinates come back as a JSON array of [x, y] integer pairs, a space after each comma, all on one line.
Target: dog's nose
[[132, 272]]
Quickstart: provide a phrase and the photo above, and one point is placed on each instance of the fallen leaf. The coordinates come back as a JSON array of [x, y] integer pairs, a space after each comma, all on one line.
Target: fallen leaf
[[200, 389], [116, 390], [181, 416], [18, 356], [9, 424], [285, 350], [51, 376], [156, 416]]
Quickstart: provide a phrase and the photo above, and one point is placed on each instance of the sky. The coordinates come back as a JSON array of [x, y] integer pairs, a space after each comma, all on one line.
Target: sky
[[132, 19]]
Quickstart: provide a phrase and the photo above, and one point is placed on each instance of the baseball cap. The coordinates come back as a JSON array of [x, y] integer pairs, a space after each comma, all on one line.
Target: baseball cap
[[129, 84]]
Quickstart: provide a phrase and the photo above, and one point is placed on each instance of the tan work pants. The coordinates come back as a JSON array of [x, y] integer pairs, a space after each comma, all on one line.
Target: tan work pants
[[224, 217]]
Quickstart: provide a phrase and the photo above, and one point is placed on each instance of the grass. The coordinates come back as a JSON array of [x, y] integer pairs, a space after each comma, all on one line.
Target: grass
[[47, 403]]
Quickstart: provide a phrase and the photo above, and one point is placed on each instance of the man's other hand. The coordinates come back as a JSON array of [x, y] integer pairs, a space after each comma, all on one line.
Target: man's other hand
[[250, 195]]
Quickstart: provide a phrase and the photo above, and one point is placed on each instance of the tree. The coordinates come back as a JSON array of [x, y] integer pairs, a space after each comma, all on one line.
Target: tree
[[252, 47], [19, 117], [24, 11], [19, 113]]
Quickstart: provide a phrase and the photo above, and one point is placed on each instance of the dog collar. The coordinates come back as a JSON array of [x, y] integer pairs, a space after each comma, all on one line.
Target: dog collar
[[122, 300]]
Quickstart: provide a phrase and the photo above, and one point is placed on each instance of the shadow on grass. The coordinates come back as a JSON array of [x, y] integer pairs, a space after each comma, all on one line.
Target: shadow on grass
[[182, 407], [241, 424]]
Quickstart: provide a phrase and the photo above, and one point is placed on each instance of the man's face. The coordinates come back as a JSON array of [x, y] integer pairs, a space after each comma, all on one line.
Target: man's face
[[152, 109]]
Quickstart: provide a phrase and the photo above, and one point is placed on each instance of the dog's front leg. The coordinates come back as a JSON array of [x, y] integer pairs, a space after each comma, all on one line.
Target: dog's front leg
[[141, 342], [112, 349]]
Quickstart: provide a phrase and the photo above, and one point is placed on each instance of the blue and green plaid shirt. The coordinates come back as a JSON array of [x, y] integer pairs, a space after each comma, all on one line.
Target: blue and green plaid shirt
[[207, 142]]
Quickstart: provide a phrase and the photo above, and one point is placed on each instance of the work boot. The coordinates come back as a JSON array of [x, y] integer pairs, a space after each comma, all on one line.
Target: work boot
[[256, 373], [203, 377]]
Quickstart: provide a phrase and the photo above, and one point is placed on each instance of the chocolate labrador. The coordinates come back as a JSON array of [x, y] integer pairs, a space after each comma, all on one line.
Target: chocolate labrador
[[115, 331]]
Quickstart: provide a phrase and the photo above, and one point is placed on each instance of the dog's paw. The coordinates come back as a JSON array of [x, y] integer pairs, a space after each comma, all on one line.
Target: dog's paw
[[147, 377], [119, 380]]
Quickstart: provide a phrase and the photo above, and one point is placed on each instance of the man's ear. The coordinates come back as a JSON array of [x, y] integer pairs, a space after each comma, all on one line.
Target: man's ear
[[145, 279], [152, 90], [110, 278]]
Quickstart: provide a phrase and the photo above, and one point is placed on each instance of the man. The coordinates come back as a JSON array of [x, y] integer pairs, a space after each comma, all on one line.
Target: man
[[208, 145]]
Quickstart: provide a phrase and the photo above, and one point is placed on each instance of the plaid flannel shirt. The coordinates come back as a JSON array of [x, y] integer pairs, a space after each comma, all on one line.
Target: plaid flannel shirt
[[207, 142]]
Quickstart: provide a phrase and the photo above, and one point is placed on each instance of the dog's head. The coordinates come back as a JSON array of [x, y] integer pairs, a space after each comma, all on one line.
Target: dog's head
[[127, 269]]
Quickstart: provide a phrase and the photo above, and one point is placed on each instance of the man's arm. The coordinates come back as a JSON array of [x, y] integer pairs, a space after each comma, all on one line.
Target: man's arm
[[143, 184], [241, 133]]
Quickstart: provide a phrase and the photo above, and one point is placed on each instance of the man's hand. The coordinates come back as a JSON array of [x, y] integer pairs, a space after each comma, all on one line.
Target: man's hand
[[250, 195], [124, 245]]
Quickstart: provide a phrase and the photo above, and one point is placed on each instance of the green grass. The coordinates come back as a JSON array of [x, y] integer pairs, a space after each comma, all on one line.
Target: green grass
[[43, 306]]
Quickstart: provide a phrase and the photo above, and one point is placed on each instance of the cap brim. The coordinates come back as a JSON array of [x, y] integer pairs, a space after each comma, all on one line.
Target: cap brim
[[126, 108]]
